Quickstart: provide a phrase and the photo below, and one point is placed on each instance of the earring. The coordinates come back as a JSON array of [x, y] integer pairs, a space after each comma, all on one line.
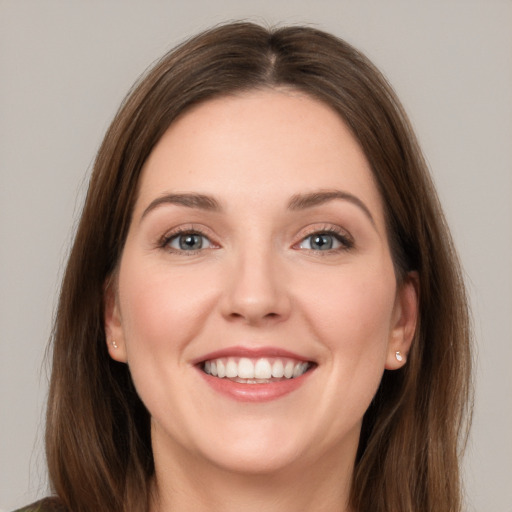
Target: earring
[[399, 356], [114, 344]]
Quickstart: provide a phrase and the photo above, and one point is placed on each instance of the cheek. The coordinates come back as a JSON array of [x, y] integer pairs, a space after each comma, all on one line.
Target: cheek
[[162, 313], [161, 309], [351, 312]]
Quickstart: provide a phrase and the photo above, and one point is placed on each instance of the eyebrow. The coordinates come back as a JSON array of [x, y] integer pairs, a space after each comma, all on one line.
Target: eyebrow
[[297, 202], [304, 201], [188, 200]]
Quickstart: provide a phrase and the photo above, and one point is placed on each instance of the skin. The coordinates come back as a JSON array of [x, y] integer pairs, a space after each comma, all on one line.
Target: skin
[[258, 283]]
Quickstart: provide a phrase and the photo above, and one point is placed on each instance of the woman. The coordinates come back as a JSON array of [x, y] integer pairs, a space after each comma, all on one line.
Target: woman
[[262, 308]]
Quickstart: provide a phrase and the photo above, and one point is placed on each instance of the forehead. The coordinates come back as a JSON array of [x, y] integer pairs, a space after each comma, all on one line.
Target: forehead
[[266, 144]]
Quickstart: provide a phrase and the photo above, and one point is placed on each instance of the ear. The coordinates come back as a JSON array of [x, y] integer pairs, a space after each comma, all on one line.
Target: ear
[[405, 318], [113, 324]]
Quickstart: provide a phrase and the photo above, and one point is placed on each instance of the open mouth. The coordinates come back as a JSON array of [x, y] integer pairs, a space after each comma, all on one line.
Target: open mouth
[[262, 370]]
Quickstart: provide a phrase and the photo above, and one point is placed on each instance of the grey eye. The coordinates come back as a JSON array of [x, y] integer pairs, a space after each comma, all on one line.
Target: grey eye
[[320, 242], [189, 242]]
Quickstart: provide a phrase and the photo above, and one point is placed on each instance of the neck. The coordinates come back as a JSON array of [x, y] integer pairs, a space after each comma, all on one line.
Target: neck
[[186, 485]]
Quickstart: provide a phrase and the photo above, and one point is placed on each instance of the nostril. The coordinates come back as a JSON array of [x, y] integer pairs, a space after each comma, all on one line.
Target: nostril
[[253, 317], [268, 316]]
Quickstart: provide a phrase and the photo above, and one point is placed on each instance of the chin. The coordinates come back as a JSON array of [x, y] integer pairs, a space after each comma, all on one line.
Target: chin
[[247, 446], [265, 446], [259, 458]]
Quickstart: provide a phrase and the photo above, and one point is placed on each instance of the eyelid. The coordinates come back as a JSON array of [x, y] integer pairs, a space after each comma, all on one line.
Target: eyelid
[[163, 241], [342, 235]]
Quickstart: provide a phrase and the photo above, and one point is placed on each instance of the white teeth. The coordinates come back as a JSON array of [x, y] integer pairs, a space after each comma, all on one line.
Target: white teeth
[[288, 370], [278, 369], [263, 370], [299, 369], [231, 369], [221, 369], [255, 371], [245, 368]]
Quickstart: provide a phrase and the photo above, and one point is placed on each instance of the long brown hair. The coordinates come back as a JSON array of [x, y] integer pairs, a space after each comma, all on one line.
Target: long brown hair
[[98, 437]]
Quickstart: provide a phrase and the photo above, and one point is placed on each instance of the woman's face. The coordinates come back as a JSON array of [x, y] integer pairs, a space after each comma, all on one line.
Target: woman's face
[[256, 303]]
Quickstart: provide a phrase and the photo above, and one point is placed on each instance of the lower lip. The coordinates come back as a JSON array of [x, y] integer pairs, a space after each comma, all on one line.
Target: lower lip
[[255, 392]]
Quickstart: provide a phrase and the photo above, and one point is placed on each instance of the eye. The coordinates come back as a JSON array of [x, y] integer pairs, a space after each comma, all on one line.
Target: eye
[[190, 241], [325, 241]]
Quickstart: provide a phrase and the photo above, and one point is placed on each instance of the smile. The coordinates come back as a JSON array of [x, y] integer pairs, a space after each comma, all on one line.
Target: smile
[[254, 375], [261, 370]]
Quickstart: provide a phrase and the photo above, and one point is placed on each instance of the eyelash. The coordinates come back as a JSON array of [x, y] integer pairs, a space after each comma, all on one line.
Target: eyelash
[[341, 236], [188, 230], [345, 241]]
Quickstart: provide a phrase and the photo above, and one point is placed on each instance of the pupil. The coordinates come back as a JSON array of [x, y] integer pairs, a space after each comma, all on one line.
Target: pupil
[[322, 242], [191, 241]]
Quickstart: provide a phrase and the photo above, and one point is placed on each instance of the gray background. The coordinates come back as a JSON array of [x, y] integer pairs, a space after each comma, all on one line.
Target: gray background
[[66, 65]]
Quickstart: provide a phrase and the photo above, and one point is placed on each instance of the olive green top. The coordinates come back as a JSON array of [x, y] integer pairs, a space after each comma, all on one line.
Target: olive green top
[[46, 505]]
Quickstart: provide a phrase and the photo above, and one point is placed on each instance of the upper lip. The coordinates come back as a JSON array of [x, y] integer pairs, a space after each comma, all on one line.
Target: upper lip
[[250, 352]]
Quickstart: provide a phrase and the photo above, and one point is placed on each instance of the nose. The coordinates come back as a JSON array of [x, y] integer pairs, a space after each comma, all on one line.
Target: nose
[[257, 290]]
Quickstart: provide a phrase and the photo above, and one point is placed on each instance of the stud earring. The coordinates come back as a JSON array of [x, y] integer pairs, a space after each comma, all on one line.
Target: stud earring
[[399, 356], [114, 344]]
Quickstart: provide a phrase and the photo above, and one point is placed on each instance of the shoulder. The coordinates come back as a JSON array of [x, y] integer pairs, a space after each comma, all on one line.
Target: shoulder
[[46, 505]]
